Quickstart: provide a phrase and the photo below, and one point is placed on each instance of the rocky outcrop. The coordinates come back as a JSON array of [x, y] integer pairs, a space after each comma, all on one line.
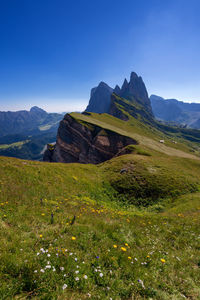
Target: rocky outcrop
[[134, 91], [100, 99], [82, 142], [123, 109]]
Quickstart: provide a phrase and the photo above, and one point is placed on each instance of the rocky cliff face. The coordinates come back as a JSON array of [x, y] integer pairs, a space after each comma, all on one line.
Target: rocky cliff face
[[82, 142], [100, 99], [134, 91]]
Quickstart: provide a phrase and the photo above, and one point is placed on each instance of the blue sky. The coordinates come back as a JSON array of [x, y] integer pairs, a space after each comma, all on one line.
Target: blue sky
[[52, 52]]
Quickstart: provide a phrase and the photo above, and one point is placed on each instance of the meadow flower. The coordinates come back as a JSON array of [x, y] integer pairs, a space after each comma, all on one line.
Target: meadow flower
[[89, 295], [129, 257], [48, 255], [48, 267], [62, 268], [77, 278], [73, 238], [142, 283], [101, 274], [77, 272], [85, 277], [115, 246], [42, 270], [64, 286], [162, 260], [123, 249], [40, 235]]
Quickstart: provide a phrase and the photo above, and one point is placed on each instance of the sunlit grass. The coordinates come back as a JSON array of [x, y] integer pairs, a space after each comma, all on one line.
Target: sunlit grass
[[112, 251]]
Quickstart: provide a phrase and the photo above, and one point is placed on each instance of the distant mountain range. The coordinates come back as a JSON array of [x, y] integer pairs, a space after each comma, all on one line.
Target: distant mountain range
[[172, 110], [27, 122], [24, 134]]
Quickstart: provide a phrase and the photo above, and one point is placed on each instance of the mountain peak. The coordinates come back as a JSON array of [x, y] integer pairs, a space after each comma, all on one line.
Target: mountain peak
[[133, 91], [133, 76], [37, 109], [117, 90], [124, 85], [100, 98]]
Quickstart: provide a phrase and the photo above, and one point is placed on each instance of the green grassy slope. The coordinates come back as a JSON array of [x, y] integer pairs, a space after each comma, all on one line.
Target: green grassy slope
[[113, 250], [146, 135]]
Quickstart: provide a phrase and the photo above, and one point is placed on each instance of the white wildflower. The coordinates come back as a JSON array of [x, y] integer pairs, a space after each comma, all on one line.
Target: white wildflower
[[142, 283], [64, 286], [48, 267]]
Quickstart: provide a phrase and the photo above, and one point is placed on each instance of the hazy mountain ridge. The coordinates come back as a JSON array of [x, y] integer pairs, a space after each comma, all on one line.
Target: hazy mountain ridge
[[26, 122], [172, 110], [23, 134]]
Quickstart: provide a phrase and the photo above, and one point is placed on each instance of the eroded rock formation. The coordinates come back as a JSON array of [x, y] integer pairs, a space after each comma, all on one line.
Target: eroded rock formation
[[82, 142]]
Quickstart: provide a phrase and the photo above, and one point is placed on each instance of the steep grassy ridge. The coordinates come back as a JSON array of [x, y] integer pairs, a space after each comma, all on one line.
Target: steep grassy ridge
[[146, 135], [113, 250]]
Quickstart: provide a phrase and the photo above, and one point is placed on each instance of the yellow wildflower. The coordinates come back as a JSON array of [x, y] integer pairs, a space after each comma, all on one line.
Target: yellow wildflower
[[123, 249], [115, 246], [129, 257], [73, 238], [162, 260], [40, 235]]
